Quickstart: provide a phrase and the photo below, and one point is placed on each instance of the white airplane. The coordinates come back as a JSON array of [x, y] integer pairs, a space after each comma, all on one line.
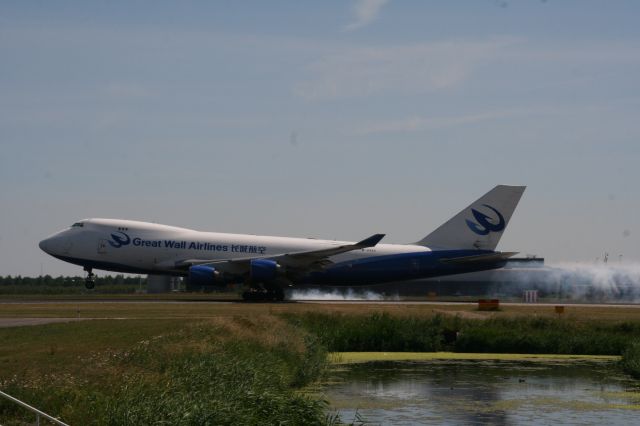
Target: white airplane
[[465, 243]]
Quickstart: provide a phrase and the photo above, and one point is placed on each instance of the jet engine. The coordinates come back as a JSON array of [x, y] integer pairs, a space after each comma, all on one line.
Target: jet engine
[[203, 275], [263, 270]]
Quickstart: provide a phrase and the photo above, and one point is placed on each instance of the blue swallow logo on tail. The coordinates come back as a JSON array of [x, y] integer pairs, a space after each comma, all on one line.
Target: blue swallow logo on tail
[[119, 239], [486, 224]]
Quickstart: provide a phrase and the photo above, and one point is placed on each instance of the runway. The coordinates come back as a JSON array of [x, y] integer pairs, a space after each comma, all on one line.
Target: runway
[[314, 302], [409, 302]]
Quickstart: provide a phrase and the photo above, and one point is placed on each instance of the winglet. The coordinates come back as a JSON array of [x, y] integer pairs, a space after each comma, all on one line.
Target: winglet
[[370, 242]]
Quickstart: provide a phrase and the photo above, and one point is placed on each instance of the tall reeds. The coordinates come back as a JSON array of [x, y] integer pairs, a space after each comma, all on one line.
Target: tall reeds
[[385, 332]]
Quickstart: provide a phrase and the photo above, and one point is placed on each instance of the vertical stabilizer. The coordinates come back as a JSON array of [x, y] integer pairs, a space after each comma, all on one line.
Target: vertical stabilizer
[[480, 225]]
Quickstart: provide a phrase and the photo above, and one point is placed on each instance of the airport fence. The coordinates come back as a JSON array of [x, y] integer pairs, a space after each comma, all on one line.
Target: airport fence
[[39, 414]]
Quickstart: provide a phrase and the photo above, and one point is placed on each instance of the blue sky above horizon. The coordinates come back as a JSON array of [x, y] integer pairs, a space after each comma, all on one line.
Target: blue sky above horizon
[[333, 119]]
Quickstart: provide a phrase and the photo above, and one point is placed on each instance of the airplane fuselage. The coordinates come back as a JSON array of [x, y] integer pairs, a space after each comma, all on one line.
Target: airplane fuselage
[[464, 243], [149, 248]]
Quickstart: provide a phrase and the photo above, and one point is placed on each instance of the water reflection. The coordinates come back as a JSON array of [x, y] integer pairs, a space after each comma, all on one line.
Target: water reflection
[[483, 392]]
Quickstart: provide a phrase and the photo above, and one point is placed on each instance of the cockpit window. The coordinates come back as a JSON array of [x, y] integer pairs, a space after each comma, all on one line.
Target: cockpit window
[[77, 225]]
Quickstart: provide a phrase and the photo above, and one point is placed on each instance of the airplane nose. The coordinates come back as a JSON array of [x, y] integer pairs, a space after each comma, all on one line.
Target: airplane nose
[[43, 245]]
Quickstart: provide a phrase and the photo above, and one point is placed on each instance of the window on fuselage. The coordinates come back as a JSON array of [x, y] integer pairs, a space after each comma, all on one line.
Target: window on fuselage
[[77, 225]]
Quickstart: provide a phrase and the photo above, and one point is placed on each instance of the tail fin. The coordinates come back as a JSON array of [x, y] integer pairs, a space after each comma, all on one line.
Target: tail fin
[[480, 225]]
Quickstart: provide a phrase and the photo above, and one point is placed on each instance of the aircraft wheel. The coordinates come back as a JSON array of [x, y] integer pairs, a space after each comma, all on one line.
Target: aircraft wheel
[[89, 284], [254, 296]]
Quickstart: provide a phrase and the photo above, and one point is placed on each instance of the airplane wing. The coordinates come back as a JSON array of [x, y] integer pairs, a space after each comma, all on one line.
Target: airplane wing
[[480, 258], [298, 260], [320, 257]]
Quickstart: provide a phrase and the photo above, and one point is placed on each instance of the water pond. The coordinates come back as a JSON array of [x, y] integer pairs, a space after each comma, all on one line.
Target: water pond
[[497, 392]]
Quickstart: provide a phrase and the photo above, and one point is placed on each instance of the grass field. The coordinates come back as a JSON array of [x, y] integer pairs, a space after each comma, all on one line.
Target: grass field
[[198, 362], [226, 370]]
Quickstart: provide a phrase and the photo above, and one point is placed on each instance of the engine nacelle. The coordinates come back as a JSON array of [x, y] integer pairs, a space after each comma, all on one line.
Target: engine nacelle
[[203, 275], [263, 270]]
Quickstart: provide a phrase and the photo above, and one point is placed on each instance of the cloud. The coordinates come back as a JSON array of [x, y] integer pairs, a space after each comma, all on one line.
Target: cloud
[[424, 123], [417, 123], [412, 69], [365, 11]]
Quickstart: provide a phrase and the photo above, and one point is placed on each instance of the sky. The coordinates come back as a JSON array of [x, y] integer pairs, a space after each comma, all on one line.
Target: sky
[[328, 119]]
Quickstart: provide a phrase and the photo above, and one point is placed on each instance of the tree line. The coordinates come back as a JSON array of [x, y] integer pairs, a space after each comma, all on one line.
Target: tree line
[[47, 284]]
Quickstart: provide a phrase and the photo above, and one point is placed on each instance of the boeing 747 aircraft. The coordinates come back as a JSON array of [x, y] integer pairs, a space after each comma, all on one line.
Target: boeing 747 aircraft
[[267, 265]]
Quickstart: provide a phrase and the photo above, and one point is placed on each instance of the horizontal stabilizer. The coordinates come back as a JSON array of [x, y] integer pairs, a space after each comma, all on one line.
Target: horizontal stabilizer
[[480, 258]]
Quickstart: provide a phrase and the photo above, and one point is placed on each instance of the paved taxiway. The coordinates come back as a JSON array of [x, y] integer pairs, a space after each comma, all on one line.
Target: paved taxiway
[[19, 322], [16, 313]]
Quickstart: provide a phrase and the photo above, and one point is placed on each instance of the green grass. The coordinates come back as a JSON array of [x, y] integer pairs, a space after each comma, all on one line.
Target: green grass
[[376, 332], [546, 336], [224, 371], [382, 332]]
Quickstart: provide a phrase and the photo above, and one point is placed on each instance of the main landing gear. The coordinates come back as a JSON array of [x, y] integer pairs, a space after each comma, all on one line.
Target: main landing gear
[[261, 294], [89, 283]]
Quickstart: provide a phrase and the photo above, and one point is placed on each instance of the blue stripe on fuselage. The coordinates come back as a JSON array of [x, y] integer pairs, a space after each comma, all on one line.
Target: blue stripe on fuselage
[[398, 267]]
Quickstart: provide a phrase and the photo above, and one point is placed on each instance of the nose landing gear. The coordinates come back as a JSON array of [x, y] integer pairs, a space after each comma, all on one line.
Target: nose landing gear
[[89, 283]]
